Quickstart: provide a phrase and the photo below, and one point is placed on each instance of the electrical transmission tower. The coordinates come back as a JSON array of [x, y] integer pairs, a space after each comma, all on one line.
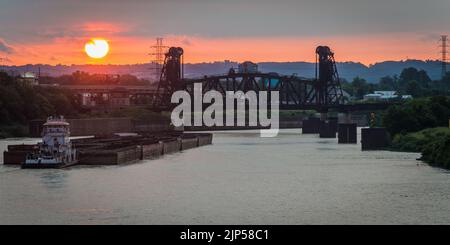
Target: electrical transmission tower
[[158, 54], [444, 53], [1, 62]]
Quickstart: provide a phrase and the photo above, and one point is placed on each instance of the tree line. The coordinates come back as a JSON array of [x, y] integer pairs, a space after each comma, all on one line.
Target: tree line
[[421, 125], [411, 81], [85, 78], [21, 102]]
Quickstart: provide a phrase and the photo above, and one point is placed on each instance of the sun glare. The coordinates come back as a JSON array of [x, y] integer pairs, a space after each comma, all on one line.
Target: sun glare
[[97, 48]]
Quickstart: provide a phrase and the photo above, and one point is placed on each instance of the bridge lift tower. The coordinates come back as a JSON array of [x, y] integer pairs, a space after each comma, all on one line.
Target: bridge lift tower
[[171, 77], [328, 87]]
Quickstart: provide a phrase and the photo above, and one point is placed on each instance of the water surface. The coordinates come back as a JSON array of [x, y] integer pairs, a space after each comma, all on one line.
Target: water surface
[[240, 179]]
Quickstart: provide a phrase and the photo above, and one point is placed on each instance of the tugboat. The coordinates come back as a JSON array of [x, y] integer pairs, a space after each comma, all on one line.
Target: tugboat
[[55, 150]]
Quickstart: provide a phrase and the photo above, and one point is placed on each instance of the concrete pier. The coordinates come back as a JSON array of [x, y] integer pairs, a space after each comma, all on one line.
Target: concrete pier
[[347, 133], [311, 126], [374, 139], [333, 123], [327, 129]]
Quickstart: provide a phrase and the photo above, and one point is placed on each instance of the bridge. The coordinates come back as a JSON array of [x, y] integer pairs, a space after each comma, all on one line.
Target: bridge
[[322, 93], [95, 96], [131, 89]]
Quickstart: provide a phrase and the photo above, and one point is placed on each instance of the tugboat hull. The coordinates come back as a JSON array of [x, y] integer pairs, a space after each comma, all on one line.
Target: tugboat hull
[[42, 165]]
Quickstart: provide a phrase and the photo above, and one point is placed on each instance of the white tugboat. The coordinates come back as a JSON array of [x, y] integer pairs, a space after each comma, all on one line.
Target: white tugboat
[[55, 150]]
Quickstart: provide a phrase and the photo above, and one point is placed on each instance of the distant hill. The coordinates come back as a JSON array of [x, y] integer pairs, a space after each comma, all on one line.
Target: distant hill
[[347, 70]]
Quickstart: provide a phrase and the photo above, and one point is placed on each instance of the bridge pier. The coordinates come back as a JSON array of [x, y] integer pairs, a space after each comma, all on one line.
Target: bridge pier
[[328, 129], [311, 125], [347, 130], [324, 126], [374, 139], [327, 126]]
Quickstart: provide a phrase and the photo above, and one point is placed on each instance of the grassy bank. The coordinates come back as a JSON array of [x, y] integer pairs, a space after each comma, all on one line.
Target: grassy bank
[[433, 143]]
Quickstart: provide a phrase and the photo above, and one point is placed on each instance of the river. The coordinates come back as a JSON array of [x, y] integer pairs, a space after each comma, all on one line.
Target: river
[[240, 179]]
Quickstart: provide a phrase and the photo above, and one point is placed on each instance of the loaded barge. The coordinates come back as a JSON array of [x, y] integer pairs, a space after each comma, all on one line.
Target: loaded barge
[[58, 151]]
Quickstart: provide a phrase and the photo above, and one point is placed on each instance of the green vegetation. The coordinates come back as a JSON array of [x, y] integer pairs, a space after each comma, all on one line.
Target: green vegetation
[[421, 125], [84, 78], [417, 114], [411, 81], [434, 143], [21, 102]]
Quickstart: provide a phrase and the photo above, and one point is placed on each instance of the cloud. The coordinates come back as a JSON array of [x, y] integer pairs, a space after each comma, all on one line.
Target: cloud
[[5, 48], [430, 37], [83, 30], [186, 42]]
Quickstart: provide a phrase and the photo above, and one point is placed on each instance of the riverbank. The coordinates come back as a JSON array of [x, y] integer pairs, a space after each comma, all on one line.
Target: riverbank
[[433, 143]]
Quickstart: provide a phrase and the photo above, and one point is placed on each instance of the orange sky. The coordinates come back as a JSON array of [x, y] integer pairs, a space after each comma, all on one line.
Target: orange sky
[[55, 31], [130, 50]]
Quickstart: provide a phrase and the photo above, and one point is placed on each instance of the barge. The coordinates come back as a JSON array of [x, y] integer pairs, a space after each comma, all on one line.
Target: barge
[[99, 150]]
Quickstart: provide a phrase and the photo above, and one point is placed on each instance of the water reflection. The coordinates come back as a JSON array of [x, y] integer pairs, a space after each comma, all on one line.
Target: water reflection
[[55, 179]]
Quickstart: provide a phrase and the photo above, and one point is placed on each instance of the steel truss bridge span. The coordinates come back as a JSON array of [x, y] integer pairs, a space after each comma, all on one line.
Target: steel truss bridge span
[[294, 92]]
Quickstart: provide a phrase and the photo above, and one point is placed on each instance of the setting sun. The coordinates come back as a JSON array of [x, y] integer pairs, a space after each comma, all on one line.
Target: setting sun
[[97, 48]]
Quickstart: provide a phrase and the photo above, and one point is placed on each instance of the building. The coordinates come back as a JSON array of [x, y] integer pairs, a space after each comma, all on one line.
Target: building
[[28, 78], [119, 97], [406, 97], [386, 95], [248, 67]]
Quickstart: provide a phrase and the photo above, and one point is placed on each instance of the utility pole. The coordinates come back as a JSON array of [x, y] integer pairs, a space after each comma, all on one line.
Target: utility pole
[[444, 52]]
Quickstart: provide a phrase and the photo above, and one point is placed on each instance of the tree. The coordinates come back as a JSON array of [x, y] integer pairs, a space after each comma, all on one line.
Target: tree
[[388, 83], [399, 119], [412, 74], [418, 114], [360, 87], [413, 88]]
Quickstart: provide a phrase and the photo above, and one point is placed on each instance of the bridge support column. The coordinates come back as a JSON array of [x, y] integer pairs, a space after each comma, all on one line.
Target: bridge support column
[[328, 126], [327, 129], [311, 125], [347, 130], [374, 139]]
